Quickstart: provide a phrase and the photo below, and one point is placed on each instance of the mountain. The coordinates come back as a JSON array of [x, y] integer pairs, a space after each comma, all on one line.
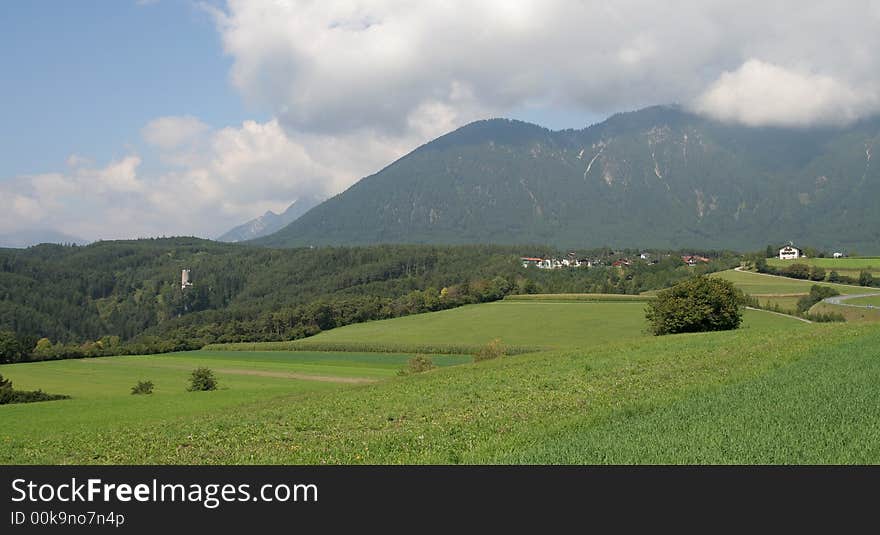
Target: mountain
[[658, 177], [27, 238], [270, 221]]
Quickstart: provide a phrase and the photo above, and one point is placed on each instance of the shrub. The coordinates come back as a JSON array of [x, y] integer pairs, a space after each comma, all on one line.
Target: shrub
[[866, 278], [8, 395], [798, 271], [817, 293], [824, 317], [142, 387], [492, 350], [696, 305], [417, 364], [201, 380]]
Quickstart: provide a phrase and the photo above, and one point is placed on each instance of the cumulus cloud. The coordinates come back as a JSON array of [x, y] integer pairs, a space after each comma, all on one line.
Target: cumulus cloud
[[340, 66], [172, 132], [760, 93], [232, 174]]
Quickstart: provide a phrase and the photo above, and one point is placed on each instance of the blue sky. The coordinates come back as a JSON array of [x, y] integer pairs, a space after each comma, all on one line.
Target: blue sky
[[186, 117], [85, 76]]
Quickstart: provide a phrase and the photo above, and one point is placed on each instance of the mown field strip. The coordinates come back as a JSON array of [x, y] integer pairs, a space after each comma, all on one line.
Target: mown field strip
[[763, 283]]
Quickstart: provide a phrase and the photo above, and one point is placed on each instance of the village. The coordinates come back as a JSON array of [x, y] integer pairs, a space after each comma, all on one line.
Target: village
[[627, 258], [615, 259]]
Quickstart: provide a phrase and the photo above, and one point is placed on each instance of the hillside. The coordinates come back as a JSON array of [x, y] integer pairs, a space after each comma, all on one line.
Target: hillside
[[131, 288], [659, 177], [774, 391]]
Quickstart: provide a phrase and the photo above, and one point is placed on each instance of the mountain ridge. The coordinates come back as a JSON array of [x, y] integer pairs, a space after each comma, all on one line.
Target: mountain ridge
[[656, 177], [270, 222]]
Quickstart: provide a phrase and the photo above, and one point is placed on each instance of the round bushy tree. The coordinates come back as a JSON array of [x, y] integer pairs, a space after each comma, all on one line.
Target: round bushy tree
[[201, 380], [696, 305]]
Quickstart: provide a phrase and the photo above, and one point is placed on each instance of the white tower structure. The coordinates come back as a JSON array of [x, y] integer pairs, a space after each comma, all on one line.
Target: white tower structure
[[184, 279]]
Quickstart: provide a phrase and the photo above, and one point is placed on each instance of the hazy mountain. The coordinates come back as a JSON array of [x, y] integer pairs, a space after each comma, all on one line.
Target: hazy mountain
[[270, 221], [657, 177], [29, 237]]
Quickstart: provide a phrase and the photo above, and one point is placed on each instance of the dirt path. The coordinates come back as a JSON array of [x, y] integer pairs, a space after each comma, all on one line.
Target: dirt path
[[302, 376], [256, 373], [780, 314]]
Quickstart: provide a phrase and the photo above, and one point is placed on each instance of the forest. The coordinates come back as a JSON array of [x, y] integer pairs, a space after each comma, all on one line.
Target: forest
[[120, 297]]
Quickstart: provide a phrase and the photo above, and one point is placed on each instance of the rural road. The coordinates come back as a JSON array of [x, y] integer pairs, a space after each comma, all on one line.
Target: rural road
[[839, 300]]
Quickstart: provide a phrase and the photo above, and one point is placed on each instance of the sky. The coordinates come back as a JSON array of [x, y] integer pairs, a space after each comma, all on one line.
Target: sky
[[136, 118]]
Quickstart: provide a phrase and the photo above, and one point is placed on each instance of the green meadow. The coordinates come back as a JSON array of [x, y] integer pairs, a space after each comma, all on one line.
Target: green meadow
[[873, 301], [599, 367], [848, 267], [762, 284]]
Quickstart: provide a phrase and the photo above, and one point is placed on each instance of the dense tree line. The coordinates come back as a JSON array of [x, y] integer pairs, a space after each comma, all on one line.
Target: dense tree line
[[125, 297]]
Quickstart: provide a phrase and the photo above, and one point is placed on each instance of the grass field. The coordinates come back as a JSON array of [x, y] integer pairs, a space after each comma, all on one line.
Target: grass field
[[761, 284], [519, 324], [555, 406], [580, 298], [869, 301], [100, 388], [607, 392], [821, 408], [855, 314], [849, 267]]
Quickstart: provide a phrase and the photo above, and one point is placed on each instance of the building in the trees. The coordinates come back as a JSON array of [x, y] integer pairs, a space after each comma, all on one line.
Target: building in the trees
[[184, 279], [790, 252], [693, 259]]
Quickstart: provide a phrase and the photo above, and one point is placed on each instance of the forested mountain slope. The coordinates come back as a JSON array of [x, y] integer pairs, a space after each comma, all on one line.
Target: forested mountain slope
[[658, 177]]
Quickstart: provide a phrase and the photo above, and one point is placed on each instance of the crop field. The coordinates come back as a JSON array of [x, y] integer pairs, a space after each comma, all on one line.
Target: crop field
[[762, 284], [578, 298], [521, 325], [314, 407], [784, 302], [855, 314], [606, 392], [822, 408], [100, 388], [849, 267], [865, 301], [684, 398]]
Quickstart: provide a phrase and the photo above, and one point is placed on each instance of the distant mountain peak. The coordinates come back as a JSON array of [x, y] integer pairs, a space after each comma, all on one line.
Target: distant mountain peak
[[270, 221]]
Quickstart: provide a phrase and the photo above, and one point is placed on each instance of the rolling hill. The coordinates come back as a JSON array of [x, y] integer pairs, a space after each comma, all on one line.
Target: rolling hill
[[658, 177]]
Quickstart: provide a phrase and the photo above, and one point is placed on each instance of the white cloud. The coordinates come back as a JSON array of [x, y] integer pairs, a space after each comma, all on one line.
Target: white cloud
[[340, 66], [173, 132], [353, 85], [232, 175], [75, 160], [760, 93]]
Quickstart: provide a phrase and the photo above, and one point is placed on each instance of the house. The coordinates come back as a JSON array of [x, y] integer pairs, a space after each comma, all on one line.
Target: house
[[838, 255], [621, 263], [790, 252], [531, 261], [693, 260]]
